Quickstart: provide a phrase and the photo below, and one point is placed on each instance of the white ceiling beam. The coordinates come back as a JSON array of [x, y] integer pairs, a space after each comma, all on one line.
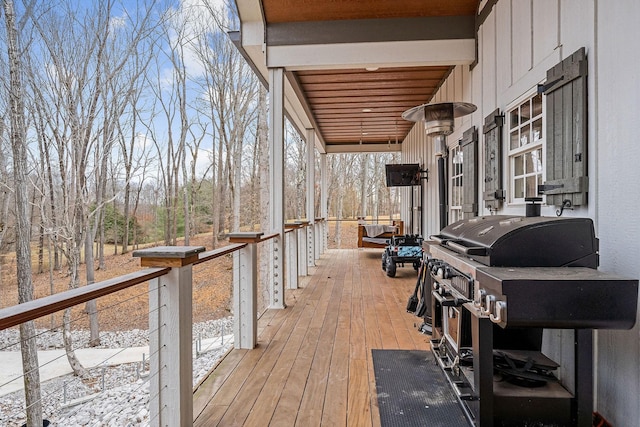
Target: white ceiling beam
[[379, 54]]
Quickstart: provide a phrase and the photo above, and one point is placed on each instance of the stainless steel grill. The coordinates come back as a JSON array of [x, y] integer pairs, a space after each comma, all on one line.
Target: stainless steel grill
[[498, 282]]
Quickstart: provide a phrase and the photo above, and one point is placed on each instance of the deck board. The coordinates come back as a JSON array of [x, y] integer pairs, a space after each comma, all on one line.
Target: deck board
[[313, 363]]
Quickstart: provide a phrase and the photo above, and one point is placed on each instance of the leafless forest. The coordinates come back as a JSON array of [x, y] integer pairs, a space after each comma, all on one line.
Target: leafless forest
[[127, 122]]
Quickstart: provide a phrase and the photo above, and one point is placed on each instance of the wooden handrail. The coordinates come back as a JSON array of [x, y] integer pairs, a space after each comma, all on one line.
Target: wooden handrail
[[217, 253], [268, 237], [17, 314]]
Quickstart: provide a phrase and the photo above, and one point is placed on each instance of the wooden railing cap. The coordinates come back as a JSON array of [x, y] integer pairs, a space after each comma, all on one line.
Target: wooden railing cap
[[246, 237], [168, 256]]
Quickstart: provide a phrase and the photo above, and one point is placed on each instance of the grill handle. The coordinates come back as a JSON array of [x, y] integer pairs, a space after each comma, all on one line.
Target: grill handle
[[446, 302], [467, 250], [440, 239]]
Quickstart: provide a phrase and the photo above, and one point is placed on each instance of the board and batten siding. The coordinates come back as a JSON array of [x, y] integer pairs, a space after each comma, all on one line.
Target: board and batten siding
[[519, 41], [616, 107]]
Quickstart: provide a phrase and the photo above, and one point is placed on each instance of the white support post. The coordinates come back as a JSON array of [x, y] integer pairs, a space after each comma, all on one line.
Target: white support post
[[292, 256], [301, 244], [276, 145], [324, 197], [245, 290], [317, 230], [310, 246], [170, 334], [325, 236]]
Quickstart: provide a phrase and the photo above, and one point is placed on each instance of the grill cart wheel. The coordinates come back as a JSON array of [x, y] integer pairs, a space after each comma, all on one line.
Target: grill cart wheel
[[391, 268]]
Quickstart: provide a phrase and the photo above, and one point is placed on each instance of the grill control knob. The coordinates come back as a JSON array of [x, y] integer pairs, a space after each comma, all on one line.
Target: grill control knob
[[448, 272]]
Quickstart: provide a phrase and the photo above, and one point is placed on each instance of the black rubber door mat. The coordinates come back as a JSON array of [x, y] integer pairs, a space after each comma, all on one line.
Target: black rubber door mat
[[413, 391]]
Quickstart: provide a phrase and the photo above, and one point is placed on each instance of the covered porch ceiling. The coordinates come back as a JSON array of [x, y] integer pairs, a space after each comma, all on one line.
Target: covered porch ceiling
[[353, 66]]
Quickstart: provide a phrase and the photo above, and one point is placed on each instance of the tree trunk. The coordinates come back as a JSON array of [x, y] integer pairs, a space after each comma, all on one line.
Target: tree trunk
[[67, 339], [364, 174], [23, 225], [263, 176], [53, 238], [127, 201], [237, 182], [92, 306], [218, 196]]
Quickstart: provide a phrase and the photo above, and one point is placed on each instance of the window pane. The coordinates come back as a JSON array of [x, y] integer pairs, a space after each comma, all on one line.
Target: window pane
[[518, 163], [524, 135], [537, 105], [518, 190], [515, 143], [531, 186], [536, 159], [525, 112], [514, 118], [528, 162], [537, 130]]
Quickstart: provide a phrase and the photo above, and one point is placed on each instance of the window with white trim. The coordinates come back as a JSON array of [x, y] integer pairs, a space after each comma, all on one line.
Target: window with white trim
[[455, 204], [526, 140]]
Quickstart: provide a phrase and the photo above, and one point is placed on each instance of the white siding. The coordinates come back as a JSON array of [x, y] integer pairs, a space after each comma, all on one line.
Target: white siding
[[518, 43], [618, 155], [577, 23], [503, 45], [545, 28], [488, 46], [520, 38]]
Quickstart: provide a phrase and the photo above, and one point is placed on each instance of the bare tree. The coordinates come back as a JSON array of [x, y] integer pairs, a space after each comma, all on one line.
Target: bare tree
[[262, 141], [23, 225], [231, 92]]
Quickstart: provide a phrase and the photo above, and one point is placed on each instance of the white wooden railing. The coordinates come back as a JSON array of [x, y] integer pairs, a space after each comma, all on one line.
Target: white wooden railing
[[168, 270]]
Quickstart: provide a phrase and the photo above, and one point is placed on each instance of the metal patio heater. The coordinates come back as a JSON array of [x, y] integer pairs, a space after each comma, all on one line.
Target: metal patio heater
[[438, 123]]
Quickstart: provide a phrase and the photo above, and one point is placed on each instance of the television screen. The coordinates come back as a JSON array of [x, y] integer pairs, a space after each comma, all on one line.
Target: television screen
[[403, 175]]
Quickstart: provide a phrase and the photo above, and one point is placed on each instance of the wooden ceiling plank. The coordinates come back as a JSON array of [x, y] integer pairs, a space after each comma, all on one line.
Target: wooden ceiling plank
[[355, 94], [359, 85], [369, 101]]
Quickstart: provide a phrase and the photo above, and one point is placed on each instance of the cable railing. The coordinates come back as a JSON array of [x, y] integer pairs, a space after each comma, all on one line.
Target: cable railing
[[149, 378]]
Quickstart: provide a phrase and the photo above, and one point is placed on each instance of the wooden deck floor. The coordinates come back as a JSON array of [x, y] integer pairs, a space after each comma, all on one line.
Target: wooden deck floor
[[313, 363]]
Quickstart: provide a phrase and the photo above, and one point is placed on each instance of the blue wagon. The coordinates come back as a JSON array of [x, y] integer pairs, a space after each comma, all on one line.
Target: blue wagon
[[401, 250]]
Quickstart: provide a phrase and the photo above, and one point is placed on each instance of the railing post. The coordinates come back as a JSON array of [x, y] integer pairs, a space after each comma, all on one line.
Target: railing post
[[170, 334], [325, 235], [320, 237], [245, 290], [291, 247], [310, 232], [302, 251]]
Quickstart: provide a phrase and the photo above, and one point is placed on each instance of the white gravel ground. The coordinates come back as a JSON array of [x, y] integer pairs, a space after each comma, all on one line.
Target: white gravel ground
[[112, 396]]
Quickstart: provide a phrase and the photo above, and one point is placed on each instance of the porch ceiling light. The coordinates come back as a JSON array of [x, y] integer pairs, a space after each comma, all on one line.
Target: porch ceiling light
[[438, 118]]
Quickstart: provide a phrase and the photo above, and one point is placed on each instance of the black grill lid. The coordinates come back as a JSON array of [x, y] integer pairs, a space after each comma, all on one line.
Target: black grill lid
[[517, 241]]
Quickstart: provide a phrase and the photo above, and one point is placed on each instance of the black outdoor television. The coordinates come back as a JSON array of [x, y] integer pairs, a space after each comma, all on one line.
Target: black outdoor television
[[403, 175]]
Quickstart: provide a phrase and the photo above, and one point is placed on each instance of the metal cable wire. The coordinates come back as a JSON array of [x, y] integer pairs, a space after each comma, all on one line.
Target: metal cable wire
[[57, 390], [74, 320]]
